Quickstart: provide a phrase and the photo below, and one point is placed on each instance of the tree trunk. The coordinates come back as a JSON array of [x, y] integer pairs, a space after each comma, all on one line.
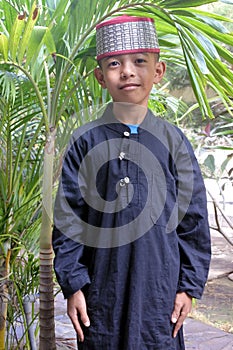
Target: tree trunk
[[4, 272], [47, 324]]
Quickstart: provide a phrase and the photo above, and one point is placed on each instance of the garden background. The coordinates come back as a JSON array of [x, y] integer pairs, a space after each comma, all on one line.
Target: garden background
[[47, 88]]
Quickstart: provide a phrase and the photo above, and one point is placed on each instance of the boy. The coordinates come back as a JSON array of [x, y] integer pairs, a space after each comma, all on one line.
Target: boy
[[131, 236]]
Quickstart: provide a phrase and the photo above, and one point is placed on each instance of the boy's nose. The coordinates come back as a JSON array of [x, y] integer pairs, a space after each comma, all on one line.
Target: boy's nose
[[127, 71]]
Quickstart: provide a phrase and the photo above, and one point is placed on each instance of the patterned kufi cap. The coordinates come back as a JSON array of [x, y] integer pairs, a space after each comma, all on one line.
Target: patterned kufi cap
[[125, 34]]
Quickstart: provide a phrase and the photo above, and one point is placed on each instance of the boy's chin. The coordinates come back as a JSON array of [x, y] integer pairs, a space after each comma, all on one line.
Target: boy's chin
[[126, 104], [131, 102]]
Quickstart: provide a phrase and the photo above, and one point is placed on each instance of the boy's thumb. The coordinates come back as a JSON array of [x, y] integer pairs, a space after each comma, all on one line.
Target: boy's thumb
[[85, 320], [87, 323]]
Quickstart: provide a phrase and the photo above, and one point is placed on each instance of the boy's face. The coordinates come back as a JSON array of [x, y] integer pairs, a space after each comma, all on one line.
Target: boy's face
[[129, 77]]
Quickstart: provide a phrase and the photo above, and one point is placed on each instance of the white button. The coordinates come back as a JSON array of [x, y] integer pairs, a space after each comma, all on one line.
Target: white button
[[126, 133], [126, 179], [122, 155], [122, 182]]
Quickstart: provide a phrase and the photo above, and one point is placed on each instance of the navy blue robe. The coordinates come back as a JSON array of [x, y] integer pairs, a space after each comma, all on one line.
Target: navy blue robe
[[131, 230]]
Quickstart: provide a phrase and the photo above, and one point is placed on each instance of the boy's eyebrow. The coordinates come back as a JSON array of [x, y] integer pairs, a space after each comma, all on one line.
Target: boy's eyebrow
[[131, 54]]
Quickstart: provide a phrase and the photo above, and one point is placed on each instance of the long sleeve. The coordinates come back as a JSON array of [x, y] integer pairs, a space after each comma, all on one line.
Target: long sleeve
[[71, 271], [193, 229]]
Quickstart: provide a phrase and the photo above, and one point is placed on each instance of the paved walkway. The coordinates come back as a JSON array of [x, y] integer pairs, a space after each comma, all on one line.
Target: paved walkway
[[198, 335]]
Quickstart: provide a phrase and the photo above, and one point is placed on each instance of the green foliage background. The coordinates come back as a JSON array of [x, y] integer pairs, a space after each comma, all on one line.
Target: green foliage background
[[47, 57]]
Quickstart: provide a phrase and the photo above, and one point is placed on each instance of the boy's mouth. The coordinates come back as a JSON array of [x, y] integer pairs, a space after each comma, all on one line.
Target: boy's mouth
[[130, 86]]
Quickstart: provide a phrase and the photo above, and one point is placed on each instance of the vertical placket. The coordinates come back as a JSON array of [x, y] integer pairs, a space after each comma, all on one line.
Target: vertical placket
[[129, 156], [133, 157], [125, 180]]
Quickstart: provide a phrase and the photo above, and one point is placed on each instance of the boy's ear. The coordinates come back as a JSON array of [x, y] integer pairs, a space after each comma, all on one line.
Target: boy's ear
[[100, 77], [160, 69]]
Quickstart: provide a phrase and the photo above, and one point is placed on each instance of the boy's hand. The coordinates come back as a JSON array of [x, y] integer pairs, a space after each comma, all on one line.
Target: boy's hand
[[183, 305], [77, 309]]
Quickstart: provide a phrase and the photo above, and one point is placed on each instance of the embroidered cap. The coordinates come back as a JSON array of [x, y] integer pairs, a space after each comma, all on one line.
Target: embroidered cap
[[126, 34]]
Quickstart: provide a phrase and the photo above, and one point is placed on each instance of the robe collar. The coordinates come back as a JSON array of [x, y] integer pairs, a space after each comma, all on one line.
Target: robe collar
[[111, 122]]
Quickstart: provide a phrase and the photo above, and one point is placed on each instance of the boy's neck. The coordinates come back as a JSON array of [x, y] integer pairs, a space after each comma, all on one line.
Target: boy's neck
[[128, 113]]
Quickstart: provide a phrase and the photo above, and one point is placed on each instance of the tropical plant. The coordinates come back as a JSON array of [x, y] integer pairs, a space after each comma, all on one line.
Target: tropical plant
[[20, 159], [46, 60], [22, 316], [217, 164]]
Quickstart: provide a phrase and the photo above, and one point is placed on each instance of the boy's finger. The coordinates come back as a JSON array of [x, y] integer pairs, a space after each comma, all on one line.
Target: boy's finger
[[85, 319], [175, 314], [83, 314], [179, 323], [77, 327]]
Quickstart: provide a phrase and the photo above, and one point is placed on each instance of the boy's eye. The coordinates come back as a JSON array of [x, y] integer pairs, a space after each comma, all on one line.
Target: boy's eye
[[140, 60], [113, 64]]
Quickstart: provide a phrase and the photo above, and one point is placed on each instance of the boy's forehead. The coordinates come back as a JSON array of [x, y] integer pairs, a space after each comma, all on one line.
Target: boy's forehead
[[125, 35]]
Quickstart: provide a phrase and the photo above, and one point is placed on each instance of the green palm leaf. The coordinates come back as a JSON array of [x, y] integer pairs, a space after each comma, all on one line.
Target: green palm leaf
[[47, 83]]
